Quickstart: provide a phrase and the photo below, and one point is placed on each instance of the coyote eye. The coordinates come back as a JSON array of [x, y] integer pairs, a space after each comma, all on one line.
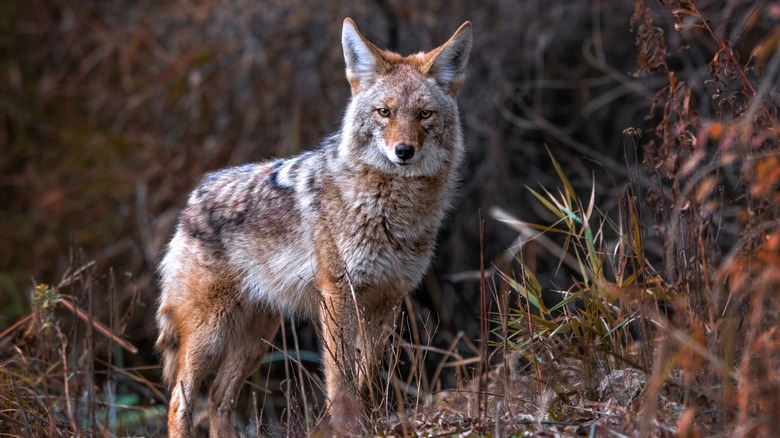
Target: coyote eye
[[424, 114], [383, 112]]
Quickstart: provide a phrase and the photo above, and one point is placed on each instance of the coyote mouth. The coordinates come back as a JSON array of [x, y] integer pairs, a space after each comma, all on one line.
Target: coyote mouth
[[399, 162]]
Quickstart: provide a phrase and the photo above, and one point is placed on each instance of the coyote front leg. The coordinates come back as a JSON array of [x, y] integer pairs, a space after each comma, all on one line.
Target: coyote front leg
[[340, 357], [355, 326], [374, 330]]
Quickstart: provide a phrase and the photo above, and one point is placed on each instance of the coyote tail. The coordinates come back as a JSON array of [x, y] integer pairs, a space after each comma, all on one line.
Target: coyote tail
[[168, 345]]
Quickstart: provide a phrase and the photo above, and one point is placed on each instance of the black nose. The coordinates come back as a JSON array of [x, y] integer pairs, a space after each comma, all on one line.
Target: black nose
[[404, 151]]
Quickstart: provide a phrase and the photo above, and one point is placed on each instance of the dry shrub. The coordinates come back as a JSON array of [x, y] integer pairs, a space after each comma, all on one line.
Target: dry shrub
[[716, 212], [693, 247]]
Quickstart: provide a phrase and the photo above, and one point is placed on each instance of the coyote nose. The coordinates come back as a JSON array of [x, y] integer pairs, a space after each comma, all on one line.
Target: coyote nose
[[404, 151]]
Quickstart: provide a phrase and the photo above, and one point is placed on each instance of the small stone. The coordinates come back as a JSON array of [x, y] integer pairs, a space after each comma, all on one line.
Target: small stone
[[622, 386]]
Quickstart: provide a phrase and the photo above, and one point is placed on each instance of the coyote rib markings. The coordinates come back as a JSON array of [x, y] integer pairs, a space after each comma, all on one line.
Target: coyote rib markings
[[353, 220]]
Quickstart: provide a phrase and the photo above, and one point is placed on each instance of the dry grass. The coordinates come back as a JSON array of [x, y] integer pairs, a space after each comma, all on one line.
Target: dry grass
[[627, 157]]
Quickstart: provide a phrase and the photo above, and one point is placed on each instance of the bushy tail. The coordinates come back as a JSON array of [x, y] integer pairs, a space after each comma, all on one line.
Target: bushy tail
[[168, 346]]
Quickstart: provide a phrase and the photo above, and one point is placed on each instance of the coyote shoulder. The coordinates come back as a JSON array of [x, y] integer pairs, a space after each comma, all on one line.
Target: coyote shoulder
[[338, 234]]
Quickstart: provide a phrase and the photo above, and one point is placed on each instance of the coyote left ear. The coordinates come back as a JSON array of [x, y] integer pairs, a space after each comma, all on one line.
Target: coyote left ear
[[449, 60], [363, 58]]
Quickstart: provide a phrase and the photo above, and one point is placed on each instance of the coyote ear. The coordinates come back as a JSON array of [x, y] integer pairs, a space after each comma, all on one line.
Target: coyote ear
[[362, 58], [449, 60]]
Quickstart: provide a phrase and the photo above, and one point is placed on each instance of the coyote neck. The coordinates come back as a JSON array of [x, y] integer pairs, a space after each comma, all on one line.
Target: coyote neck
[[396, 197], [383, 226]]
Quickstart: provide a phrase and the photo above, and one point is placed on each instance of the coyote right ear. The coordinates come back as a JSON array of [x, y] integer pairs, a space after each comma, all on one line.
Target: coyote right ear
[[363, 58]]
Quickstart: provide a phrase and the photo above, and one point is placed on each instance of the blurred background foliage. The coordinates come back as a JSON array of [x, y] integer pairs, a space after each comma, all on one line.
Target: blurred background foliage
[[111, 110]]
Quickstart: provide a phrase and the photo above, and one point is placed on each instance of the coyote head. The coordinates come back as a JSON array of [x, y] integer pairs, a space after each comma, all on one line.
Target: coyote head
[[403, 117]]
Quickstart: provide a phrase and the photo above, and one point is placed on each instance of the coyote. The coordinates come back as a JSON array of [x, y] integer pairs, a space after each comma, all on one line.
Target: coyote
[[338, 234]]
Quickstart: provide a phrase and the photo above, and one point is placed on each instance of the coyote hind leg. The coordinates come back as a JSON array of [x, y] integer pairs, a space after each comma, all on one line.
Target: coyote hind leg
[[193, 368], [253, 332], [196, 317]]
